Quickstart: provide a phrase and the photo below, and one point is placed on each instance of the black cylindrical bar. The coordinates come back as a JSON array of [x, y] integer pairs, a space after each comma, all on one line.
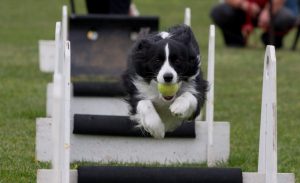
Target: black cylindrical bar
[[121, 126], [103, 89], [111, 174]]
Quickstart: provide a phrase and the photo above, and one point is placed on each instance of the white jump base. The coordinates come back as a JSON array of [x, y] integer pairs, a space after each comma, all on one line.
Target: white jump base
[[138, 149], [46, 55], [45, 175], [91, 105]]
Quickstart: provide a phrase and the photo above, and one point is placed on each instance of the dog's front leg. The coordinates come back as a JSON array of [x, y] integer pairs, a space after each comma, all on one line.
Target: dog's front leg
[[184, 106], [149, 119]]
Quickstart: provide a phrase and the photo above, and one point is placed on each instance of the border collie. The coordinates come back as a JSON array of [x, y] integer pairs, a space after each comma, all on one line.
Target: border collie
[[170, 57]]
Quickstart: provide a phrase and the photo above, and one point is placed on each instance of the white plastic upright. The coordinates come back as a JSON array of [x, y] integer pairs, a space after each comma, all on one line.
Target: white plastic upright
[[56, 107], [210, 96], [46, 55], [65, 126], [65, 23], [268, 125], [187, 16]]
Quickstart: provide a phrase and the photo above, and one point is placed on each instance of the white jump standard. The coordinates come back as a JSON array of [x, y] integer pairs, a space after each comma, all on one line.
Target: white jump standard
[[267, 165], [143, 150]]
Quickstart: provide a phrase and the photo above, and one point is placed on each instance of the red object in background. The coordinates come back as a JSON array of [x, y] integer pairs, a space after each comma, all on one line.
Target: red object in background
[[260, 3]]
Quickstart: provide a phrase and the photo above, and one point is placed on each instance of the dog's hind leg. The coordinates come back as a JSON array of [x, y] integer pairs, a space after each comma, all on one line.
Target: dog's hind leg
[[148, 118]]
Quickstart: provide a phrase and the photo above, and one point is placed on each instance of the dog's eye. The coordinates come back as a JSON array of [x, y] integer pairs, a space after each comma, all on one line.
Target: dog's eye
[[173, 57], [177, 61]]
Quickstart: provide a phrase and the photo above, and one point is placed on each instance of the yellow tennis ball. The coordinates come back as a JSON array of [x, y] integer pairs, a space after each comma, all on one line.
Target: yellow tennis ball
[[167, 89]]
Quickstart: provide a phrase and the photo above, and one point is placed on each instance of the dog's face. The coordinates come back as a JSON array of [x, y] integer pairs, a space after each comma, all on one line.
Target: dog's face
[[167, 57]]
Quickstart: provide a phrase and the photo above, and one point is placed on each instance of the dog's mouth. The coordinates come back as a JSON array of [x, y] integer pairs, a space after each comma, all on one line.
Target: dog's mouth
[[168, 98]]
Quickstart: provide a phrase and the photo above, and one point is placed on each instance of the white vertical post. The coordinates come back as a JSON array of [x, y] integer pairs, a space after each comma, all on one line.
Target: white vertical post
[[267, 162], [65, 23], [210, 96], [56, 108], [65, 131], [65, 125], [57, 46], [187, 16]]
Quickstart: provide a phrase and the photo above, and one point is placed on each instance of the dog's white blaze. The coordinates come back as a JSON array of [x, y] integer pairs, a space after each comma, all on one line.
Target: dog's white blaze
[[164, 35], [166, 68]]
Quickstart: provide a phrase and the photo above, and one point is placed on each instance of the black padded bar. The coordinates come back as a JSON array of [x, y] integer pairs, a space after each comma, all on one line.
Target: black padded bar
[[135, 23], [122, 126], [98, 89], [111, 174]]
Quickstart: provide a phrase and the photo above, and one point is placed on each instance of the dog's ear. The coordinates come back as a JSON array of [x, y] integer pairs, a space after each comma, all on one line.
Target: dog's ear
[[142, 44], [185, 35], [182, 33]]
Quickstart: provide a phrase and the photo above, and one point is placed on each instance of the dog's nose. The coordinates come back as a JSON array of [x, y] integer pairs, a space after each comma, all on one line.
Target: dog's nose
[[168, 77]]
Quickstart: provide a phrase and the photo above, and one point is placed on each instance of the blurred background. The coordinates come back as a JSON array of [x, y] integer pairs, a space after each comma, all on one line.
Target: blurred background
[[238, 78]]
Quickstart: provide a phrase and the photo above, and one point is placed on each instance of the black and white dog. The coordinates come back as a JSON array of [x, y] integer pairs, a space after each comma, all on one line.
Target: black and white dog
[[168, 58]]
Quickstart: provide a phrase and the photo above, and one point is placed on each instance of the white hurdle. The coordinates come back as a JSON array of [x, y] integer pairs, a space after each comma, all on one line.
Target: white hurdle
[[47, 52], [102, 148], [54, 139], [47, 47], [57, 107], [187, 16], [61, 113], [268, 123], [210, 96], [267, 161], [211, 161]]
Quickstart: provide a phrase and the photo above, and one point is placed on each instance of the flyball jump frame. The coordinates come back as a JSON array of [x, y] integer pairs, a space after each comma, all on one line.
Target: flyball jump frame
[[267, 161], [189, 146], [63, 144]]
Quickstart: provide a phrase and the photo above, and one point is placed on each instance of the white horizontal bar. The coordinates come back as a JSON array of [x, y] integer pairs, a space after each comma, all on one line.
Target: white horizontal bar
[[254, 177], [134, 149], [91, 105]]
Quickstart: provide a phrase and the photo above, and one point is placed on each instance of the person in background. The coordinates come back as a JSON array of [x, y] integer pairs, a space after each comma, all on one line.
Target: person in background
[[238, 18]]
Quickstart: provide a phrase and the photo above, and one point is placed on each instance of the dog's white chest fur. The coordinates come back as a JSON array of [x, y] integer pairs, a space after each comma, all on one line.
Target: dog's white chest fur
[[170, 121], [158, 116]]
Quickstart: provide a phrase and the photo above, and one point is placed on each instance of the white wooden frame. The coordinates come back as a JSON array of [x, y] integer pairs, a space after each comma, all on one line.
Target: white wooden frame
[[62, 140], [187, 16], [196, 149], [60, 128], [267, 162], [47, 47]]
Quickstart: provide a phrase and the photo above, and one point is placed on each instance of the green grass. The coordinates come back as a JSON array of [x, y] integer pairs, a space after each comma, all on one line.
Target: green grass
[[237, 89]]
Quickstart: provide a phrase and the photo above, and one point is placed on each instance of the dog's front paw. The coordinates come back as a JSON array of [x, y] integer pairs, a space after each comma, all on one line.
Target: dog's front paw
[[149, 119], [153, 125], [184, 106]]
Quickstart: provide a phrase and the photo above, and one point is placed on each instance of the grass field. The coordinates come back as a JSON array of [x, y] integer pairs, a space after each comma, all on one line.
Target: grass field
[[237, 88]]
